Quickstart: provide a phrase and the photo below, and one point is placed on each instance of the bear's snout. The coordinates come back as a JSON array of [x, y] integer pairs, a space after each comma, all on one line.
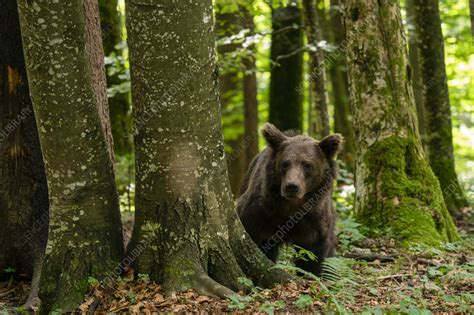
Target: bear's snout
[[292, 189]]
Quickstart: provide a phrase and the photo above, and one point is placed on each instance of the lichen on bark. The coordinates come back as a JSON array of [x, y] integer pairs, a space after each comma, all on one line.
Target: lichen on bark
[[184, 203], [69, 100]]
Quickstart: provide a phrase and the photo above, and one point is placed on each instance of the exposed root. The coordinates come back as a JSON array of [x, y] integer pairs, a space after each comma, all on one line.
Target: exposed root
[[193, 276], [209, 286], [33, 302], [223, 266], [251, 260]]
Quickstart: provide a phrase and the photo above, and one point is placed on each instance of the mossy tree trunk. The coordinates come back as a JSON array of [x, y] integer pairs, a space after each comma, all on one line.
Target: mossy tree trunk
[[119, 104], [67, 86], [414, 60], [185, 221], [395, 186], [317, 70], [286, 107], [339, 83], [439, 137], [23, 188]]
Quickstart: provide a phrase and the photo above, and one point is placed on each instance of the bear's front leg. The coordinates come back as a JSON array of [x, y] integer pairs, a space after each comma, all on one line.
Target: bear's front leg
[[321, 249]]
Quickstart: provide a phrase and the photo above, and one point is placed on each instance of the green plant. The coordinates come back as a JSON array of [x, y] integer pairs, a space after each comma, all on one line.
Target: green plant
[[349, 233], [144, 277], [92, 281], [239, 302], [304, 301], [269, 307]]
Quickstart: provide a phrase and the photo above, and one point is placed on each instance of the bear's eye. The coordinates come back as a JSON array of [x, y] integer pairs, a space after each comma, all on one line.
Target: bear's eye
[[307, 166], [285, 164]]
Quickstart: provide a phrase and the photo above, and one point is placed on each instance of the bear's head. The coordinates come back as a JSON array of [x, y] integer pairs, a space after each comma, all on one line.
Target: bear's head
[[301, 162]]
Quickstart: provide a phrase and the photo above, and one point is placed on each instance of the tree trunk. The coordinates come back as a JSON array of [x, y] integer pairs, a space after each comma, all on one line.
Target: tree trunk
[[340, 89], [287, 68], [250, 98], [23, 188], [317, 70], [183, 195], [414, 59], [395, 187], [67, 86], [231, 91], [471, 11], [436, 102], [119, 104]]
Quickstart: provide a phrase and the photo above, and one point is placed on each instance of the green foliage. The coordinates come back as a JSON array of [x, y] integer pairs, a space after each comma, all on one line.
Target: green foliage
[[304, 301], [92, 281], [125, 180], [269, 307], [459, 53], [118, 65], [9, 270], [239, 302], [349, 233], [246, 282], [143, 277]]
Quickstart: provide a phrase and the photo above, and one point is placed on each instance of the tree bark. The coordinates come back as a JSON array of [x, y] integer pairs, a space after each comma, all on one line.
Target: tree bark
[[439, 142], [23, 187], [339, 82], [67, 86], [119, 104], [185, 211], [414, 60], [395, 187], [287, 68], [317, 71]]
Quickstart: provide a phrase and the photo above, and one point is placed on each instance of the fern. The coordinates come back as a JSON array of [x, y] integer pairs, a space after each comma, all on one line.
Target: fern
[[339, 277], [337, 270]]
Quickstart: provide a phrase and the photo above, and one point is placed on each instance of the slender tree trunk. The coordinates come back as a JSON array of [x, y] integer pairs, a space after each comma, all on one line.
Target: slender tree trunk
[[471, 11], [183, 195], [436, 102], [231, 91], [67, 85], [395, 188], [414, 59], [23, 188], [119, 104], [250, 98], [317, 70], [339, 82], [287, 70]]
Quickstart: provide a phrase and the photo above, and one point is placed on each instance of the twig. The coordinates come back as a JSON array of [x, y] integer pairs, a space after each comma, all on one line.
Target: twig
[[5, 293], [93, 307], [369, 257], [394, 276], [424, 261]]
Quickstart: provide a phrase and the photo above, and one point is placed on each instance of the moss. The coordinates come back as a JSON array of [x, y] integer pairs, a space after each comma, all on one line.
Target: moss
[[404, 194]]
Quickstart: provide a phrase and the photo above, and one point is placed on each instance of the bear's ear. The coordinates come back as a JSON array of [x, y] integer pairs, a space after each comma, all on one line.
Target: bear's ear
[[331, 145], [272, 135]]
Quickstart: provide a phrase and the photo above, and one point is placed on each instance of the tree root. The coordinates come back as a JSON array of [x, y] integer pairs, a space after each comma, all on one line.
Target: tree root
[[223, 266], [192, 275], [251, 260]]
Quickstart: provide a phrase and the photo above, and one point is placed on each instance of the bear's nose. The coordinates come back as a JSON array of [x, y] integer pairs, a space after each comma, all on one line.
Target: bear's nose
[[292, 188]]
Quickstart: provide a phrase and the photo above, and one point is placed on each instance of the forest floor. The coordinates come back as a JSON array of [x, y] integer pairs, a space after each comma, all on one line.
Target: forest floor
[[373, 277]]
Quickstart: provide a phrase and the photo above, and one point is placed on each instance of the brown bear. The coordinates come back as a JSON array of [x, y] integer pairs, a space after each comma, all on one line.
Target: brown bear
[[285, 196]]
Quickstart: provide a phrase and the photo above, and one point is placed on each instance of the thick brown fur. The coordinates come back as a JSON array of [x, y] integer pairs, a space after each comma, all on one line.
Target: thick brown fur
[[286, 195]]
